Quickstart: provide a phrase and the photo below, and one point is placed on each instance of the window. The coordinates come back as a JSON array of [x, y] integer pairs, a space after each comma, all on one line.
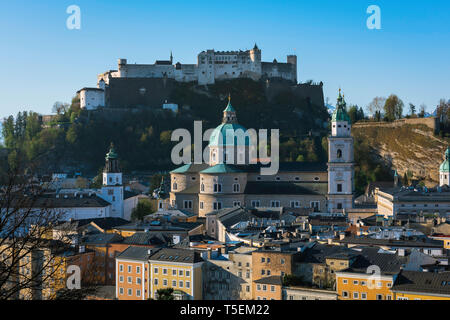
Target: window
[[174, 283], [275, 203], [201, 204], [355, 282], [129, 269], [187, 204], [188, 273], [174, 186], [236, 203], [130, 280], [217, 187], [264, 287], [344, 294], [263, 259], [355, 295], [247, 288], [164, 271], [138, 270], [236, 187], [272, 288], [339, 187], [202, 188], [165, 282], [188, 284], [255, 203], [156, 271], [363, 296], [121, 279], [217, 205], [120, 290], [363, 283], [295, 204], [156, 281], [130, 292], [379, 297], [121, 267], [263, 272], [315, 205], [180, 273], [138, 280], [344, 281], [258, 287], [282, 261], [339, 154], [180, 284], [389, 297], [389, 284], [339, 206], [174, 272], [268, 272]]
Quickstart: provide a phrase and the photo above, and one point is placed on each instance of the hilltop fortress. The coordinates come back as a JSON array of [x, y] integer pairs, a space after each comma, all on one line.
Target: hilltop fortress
[[158, 77]]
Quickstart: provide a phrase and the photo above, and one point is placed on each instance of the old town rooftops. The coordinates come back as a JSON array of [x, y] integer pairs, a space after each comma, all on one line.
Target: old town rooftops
[[176, 255], [423, 282]]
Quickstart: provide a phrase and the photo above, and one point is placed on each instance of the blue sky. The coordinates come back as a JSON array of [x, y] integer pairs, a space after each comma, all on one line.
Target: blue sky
[[44, 62]]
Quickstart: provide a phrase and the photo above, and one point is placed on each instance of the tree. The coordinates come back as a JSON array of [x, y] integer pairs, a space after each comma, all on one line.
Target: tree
[[143, 208], [376, 106], [60, 107], [393, 108], [412, 109], [24, 235], [422, 111], [165, 294]]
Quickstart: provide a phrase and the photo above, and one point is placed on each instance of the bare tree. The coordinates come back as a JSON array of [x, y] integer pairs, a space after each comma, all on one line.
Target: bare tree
[[376, 106]]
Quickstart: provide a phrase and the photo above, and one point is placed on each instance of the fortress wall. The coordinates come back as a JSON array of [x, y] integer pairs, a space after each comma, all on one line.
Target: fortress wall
[[432, 123], [134, 92]]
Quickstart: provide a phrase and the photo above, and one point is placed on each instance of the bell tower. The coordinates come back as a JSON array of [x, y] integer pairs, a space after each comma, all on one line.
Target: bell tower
[[112, 189], [444, 170], [340, 160]]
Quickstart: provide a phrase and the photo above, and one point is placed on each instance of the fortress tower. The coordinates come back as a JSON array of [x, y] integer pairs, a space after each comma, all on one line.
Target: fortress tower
[[340, 160]]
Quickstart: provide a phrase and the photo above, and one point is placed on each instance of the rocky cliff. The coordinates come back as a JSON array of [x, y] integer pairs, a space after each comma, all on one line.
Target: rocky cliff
[[404, 147]]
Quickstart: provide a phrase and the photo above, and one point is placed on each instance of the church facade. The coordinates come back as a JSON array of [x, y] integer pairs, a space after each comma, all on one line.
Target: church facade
[[220, 183]]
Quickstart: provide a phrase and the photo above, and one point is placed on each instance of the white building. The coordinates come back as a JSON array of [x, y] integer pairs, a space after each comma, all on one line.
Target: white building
[[92, 98], [340, 163], [211, 66]]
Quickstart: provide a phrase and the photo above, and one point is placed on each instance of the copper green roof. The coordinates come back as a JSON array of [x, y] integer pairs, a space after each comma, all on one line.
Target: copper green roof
[[340, 113], [112, 153], [229, 107], [445, 166], [219, 135], [222, 168]]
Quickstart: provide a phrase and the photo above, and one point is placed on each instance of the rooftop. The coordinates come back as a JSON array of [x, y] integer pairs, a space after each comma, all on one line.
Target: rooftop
[[423, 282]]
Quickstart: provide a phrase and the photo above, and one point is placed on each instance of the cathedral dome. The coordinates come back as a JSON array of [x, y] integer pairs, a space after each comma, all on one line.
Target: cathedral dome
[[228, 128], [219, 136], [445, 166]]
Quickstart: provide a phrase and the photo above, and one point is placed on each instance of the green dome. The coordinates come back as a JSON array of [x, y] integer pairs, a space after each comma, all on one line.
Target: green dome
[[340, 114], [112, 153], [219, 135], [445, 166]]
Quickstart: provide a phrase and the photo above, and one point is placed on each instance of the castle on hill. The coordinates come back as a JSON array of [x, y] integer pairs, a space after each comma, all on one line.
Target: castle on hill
[[211, 66]]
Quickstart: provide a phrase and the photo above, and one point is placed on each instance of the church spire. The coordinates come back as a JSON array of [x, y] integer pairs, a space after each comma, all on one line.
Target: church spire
[[229, 114]]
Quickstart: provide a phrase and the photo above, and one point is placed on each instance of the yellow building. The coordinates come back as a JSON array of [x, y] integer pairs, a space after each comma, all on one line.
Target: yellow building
[[179, 269], [413, 285], [371, 276]]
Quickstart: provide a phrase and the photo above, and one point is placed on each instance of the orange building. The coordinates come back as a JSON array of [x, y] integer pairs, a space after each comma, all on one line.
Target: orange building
[[268, 263], [371, 276], [268, 288], [132, 274]]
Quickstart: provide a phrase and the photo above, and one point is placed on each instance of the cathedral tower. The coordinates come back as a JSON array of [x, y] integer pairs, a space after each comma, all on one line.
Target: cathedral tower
[[444, 170], [112, 189], [340, 160]]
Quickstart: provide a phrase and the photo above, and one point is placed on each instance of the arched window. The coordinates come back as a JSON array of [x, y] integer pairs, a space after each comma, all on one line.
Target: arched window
[[202, 188], [339, 153], [236, 187], [175, 186]]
